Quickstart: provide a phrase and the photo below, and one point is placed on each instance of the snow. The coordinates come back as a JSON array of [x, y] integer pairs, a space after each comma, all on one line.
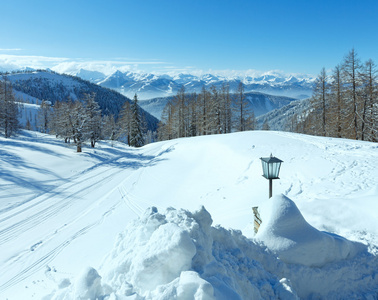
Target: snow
[[177, 255], [286, 233], [101, 223]]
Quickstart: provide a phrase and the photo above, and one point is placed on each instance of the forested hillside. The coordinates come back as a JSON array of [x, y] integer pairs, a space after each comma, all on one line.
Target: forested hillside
[[259, 103], [52, 87], [72, 109]]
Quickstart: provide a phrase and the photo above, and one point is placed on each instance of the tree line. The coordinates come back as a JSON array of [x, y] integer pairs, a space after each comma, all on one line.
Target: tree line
[[344, 103], [78, 121], [213, 111], [81, 121]]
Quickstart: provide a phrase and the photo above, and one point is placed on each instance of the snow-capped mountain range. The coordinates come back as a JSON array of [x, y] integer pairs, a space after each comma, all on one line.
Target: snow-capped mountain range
[[149, 86]]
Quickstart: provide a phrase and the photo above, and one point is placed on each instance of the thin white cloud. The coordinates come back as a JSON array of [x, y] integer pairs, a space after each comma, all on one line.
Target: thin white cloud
[[13, 62], [14, 49], [65, 65], [104, 66]]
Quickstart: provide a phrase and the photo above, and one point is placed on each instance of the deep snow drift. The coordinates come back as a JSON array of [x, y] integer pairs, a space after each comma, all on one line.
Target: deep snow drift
[[179, 255], [60, 213]]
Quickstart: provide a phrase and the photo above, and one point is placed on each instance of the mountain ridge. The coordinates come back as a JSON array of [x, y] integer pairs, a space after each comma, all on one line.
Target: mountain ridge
[[149, 85]]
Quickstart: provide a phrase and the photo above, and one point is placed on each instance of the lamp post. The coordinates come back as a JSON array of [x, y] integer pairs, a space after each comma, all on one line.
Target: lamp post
[[271, 169]]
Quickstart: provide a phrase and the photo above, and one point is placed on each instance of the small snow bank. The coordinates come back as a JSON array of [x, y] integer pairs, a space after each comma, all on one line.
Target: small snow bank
[[286, 233], [179, 255]]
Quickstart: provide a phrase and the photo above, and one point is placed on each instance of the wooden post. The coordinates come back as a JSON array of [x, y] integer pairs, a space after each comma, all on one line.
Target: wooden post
[[257, 219], [270, 188]]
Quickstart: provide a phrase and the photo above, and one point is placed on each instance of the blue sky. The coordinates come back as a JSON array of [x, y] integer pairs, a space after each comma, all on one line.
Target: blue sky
[[182, 35]]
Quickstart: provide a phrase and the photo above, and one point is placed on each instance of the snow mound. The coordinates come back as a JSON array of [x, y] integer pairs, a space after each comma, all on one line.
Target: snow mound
[[286, 233], [179, 255]]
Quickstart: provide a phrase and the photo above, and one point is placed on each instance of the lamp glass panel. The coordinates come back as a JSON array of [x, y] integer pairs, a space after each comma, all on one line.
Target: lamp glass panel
[[270, 174], [265, 168], [275, 169]]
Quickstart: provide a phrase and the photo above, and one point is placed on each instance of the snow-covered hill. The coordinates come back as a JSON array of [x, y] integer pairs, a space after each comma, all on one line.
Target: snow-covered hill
[[69, 224], [284, 118], [149, 86]]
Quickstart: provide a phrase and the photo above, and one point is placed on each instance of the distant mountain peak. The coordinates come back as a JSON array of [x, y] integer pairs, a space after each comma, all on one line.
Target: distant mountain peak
[[149, 85]]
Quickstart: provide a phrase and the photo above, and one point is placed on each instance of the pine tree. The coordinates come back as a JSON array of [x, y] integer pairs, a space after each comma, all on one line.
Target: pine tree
[[136, 133]]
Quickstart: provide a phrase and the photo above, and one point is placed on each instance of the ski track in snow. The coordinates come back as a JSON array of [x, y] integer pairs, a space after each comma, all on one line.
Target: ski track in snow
[[33, 212]]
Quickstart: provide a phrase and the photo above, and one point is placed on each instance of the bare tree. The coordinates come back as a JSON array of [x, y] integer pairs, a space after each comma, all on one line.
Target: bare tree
[[351, 68], [9, 124], [320, 99], [337, 97], [44, 116], [242, 113], [369, 101], [93, 122], [124, 122]]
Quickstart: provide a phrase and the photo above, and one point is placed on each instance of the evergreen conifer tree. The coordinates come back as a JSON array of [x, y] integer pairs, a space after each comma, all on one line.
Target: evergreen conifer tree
[[136, 133]]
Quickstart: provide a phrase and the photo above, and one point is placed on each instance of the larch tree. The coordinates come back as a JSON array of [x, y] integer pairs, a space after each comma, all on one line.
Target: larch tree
[[166, 128], [226, 108], [110, 128], [44, 116], [9, 123], [93, 122], [124, 122], [369, 102], [193, 114], [241, 109], [204, 111], [320, 100], [337, 100], [351, 69], [265, 125], [182, 113]]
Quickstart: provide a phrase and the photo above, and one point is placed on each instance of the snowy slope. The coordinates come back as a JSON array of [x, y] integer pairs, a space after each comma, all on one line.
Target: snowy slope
[[282, 118], [61, 212]]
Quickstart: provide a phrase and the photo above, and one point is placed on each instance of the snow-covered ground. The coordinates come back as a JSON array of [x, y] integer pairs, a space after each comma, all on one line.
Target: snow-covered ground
[[98, 223]]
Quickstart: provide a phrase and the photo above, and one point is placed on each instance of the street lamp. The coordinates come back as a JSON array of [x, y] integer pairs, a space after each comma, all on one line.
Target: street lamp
[[271, 168]]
